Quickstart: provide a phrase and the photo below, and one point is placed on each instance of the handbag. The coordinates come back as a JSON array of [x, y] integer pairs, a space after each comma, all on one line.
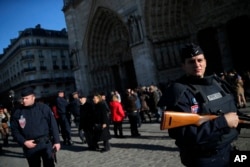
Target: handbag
[[4, 125]]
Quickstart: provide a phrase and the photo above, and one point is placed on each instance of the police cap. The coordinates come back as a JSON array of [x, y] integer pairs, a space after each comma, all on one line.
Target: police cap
[[190, 50], [27, 91], [60, 91], [74, 93], [82, 96]]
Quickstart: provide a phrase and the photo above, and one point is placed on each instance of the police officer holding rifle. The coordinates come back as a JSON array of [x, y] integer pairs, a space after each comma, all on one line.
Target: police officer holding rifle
[[209, 144]]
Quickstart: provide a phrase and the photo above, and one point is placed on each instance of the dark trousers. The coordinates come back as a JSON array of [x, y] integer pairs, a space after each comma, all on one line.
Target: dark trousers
[[41, 152], [35, 161], [138, 119], [118, 128], [77, 120], [132, 116], [193, 159], [106, 145], [143, 113], [65, 127], [89, 136], [81, 135]]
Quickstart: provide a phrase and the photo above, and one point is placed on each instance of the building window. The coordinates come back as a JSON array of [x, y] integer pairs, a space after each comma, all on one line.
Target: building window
[[42, 66], [64, 66], [30, 64], [63, 63], [38, 42], [54, 60], [40, 54], [62, 54], [41, 63], [27, 42], [29, 67]]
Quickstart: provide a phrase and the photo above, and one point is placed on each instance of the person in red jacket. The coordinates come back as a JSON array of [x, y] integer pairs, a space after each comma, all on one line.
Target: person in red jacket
[[117, 115], [56, 115]]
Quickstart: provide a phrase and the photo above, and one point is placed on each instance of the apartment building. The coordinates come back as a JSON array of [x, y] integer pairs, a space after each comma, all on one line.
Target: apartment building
[[38, 58]]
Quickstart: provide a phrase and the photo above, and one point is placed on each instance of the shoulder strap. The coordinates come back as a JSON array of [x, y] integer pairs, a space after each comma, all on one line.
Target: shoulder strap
[[225, 85]]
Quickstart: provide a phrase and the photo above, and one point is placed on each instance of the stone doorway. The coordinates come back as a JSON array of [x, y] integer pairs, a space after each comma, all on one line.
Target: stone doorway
[[238, 33], [109, 53]]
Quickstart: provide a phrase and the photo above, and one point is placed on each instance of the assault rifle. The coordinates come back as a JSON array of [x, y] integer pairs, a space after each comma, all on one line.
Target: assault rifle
[[173, 119]]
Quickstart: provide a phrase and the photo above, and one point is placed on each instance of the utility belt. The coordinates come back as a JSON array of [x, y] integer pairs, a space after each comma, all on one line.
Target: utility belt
[[43, 139], [198, 154], [208, 153]]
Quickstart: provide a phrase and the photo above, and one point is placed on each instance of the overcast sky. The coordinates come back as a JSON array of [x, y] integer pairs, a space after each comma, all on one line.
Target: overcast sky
[[17, 15]]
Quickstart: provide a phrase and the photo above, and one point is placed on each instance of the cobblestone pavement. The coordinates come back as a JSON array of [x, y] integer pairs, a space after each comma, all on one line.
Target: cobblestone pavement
[[154, 148]]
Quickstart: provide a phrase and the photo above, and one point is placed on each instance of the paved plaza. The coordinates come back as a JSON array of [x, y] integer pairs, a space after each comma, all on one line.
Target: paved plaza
[[153, 149]]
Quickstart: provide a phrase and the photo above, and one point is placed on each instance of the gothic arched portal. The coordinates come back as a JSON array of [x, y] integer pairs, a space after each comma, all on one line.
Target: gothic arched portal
[[221, 27], [109, 54]]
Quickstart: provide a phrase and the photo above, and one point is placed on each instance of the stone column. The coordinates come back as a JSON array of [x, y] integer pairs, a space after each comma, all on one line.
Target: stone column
[[226, 57], [82, 75], [144, 63]]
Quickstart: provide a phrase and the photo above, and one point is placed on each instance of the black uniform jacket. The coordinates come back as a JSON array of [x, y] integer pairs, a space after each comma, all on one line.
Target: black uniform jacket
[[202, 96], [62, 105], [33, 122]]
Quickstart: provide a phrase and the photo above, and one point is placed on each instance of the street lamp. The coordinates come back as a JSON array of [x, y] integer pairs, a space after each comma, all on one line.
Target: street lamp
[[12, 97]]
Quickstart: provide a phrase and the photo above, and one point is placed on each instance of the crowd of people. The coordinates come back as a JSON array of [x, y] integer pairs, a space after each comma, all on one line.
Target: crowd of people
[[239, 83], [93, 114], [137, 105]]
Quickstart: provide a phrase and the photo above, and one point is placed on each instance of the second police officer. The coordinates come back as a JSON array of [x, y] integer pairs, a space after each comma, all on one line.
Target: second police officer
[[209, 144], [62, 106]]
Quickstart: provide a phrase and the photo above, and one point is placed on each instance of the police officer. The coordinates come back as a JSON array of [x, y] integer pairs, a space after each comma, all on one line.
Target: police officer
[[209, 144], [75, 107], [62, 106], [34, 127]]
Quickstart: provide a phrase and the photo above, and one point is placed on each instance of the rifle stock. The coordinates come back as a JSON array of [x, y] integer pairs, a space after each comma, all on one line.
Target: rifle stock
[[173, 119]]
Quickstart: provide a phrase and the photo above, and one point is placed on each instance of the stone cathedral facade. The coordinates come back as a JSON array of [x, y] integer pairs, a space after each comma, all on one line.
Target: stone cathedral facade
[[117, 44]]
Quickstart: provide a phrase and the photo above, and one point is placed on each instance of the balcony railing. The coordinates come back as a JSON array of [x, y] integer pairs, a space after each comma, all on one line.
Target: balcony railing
[[56, 67], [28, 57], [30, 69], [43, 68], [64, 67]]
